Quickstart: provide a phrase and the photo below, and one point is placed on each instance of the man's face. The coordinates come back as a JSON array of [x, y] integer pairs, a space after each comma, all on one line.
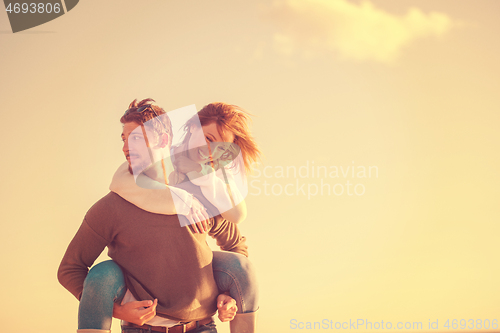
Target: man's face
[[134, 147]]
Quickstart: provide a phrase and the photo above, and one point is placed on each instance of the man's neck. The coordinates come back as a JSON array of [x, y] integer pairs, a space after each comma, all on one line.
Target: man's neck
[[155, 174]]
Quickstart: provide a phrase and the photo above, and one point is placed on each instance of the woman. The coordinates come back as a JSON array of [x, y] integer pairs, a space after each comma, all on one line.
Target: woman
[[216, 154], [211, 157]]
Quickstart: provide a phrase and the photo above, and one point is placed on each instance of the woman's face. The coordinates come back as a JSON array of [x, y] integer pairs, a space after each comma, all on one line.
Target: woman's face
[[198, 150]]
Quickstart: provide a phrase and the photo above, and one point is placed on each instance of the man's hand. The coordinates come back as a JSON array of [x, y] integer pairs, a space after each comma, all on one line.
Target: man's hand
[[227, 307], [138, 312], [198, 217]]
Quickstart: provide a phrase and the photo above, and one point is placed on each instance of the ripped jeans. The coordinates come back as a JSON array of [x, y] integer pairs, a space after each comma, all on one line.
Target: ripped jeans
[[105, 285]]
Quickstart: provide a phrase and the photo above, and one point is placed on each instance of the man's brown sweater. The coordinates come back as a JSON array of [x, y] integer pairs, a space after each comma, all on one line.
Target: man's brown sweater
[[159, 258]]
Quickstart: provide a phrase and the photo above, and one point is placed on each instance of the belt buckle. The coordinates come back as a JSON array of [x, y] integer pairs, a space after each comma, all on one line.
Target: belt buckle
[[183, 325]]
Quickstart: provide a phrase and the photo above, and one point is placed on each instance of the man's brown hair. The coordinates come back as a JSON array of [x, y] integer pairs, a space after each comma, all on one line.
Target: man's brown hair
[[160, 125]]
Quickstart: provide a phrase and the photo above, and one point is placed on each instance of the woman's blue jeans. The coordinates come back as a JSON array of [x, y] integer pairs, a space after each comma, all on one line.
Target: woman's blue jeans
[[105, 285]]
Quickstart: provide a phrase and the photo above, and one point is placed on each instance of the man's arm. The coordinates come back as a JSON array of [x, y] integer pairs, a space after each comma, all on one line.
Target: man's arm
[[83, 250]]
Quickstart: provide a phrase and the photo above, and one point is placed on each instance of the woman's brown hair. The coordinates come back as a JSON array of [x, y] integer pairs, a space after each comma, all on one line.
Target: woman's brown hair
[[230, 119]]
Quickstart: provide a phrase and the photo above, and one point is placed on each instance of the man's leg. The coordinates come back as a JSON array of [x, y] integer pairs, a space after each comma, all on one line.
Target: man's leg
[[103, 286], [235, 274]]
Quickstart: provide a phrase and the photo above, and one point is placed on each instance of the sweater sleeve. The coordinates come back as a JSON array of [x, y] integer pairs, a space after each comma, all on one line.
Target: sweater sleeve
[[83, 250], [228, 236]]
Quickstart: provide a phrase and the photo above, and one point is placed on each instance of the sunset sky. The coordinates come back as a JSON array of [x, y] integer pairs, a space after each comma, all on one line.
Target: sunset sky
[[406, 89]]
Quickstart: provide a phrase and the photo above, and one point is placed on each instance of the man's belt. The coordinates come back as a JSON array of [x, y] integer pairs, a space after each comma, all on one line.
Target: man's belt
[[181, 328]]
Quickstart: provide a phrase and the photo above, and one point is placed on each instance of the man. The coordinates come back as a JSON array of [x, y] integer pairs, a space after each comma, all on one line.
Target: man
[[163, 269]]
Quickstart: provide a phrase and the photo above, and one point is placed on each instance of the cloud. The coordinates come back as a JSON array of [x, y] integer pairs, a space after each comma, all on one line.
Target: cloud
[[355, 31]]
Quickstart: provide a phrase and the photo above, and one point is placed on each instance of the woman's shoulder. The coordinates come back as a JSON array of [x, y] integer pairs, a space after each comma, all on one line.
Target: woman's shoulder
[[176, 149]]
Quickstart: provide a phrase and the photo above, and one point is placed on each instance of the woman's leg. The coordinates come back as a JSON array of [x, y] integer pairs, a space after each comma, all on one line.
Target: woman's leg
[[234, 273], [103, 286]]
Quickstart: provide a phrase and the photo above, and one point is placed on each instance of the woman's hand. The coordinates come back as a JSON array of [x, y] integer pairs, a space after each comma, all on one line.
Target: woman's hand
[[137, 312], [184, 164], [227, 308], [198, 217]]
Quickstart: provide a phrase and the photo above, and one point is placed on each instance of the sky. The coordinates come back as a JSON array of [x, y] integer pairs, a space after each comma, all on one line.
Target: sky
[[377, 195]]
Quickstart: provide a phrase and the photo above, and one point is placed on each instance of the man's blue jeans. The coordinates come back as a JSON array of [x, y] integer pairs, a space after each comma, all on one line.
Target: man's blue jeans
[[105, 285]]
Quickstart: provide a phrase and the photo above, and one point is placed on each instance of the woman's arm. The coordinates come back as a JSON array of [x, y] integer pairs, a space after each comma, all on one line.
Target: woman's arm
[[223, 194], [221, 190], [150, 195], [227, 236], [225, 197]]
